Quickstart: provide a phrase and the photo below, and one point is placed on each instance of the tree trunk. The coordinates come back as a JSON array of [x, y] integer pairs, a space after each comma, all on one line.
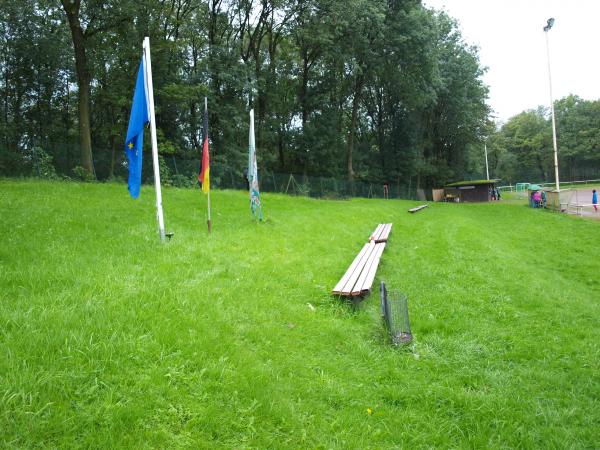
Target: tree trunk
[[304, 90], [280, 148], [71, 8], [541, 167], [112, 156], [304, 106], [194, 127], [355, 103], [261, 101]]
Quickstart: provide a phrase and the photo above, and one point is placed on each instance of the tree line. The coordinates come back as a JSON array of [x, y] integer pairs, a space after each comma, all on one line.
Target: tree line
[[379, 90], [521, 150]]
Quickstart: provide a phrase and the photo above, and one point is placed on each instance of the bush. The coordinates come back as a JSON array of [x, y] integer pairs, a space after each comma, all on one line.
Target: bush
[[79, 173], [165, 172], [116, 179], [184, 181], [42, 164]]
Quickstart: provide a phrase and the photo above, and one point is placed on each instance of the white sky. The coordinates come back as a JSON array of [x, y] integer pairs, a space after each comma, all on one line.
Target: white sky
[[510, 37]]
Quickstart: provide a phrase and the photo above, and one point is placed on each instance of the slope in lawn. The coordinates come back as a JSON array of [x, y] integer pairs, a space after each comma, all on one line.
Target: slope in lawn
[[110, 339]]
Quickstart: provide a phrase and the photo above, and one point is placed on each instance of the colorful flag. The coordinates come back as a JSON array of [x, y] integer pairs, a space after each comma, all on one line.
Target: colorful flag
[[204, 176], [135, 133], [255, 205]]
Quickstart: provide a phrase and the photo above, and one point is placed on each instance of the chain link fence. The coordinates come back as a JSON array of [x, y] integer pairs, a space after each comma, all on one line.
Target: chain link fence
[[183, 173]]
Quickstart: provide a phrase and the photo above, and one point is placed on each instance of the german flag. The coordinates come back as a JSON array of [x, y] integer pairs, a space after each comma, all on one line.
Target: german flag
[[204, 175]]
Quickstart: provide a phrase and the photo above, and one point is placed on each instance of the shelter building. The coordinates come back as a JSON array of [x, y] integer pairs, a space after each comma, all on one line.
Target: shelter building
[[470, 191]]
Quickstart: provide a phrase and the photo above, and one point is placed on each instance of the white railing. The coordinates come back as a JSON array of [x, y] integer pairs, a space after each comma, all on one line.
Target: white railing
[[511, 188]]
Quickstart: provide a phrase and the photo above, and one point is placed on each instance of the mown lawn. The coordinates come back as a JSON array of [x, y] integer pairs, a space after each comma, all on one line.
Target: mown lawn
[[110, 339]]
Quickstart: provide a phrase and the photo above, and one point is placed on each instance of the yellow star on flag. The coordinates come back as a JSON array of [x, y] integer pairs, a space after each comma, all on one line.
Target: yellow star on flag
[[130, 145]]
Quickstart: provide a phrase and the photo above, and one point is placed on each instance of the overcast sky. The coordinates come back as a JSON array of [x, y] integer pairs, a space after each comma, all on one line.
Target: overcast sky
[[510, 37]]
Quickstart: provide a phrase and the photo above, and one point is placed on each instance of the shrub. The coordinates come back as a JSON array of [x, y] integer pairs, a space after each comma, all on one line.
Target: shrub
[[184, 181], [42, 164], [79, 173]]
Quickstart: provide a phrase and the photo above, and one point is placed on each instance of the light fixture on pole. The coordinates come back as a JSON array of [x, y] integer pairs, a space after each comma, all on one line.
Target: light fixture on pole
[[547, 28]]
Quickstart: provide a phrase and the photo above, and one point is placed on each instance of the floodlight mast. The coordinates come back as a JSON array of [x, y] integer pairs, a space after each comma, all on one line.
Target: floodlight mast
[[487, 169], [549, 25]]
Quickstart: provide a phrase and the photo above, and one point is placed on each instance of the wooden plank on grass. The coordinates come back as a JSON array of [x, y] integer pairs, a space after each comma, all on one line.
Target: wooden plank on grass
[[370, 265], [375, 235], [418, 208], [368, 283], [360, 268], [355, 264], [385, 233]]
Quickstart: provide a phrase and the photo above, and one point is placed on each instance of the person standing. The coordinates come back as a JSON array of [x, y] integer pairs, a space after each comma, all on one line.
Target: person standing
[[543, 199], [537, 199], [595, 200]]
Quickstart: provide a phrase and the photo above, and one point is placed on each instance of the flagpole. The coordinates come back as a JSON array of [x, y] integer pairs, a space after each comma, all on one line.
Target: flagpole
[[255, 206], [251, 148], [148, 75], [208, 193]]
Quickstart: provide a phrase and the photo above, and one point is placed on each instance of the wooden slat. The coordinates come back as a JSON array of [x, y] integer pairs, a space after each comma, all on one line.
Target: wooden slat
[[375, 235], [339, 287], [383, 226], [385, 233], [382, 235], [368, 282], [349, 286], [370, 265], [359, 277], [418, 208], [388, 231]]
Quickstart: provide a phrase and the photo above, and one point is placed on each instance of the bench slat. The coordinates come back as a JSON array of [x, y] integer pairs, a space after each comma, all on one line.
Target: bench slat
[[359, 277], [385, 233], [418, 208], [339, 287], [375, 235], [370, 265], [360, 268], [368, 283]]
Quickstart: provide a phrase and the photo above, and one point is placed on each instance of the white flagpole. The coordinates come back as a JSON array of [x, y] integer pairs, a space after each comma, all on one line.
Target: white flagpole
[[208, 193], [487, 170], [150, 96], [251, 150]]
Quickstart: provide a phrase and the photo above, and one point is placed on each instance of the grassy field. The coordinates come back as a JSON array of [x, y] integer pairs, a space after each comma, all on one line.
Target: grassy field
[[109, 339]]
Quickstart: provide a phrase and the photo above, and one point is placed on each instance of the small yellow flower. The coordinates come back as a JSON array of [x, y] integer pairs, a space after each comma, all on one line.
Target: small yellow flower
[[369, 411]]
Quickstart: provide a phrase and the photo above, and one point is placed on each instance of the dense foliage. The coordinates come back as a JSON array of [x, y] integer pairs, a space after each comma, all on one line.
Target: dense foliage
[[360, 89], [521, 150]]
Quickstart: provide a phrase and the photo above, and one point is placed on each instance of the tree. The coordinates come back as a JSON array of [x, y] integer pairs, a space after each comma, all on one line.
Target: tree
[[86, 20], [364, 90], [72, 10]]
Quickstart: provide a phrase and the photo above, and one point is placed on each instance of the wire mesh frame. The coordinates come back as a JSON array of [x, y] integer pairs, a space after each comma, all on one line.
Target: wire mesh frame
[[394, 310]]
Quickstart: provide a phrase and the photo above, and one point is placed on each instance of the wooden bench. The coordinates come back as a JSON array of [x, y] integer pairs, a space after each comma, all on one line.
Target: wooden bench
[[381, 233], [418, 208], [359, 277]]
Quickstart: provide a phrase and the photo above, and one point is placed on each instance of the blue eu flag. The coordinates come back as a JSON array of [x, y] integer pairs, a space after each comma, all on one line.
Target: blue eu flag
[[135, 133]]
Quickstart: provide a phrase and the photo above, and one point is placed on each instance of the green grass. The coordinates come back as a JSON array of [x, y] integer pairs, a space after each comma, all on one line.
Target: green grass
[[110, 339]]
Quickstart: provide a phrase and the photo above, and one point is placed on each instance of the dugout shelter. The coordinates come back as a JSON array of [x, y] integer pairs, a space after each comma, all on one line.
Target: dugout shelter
[[470, 191]]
